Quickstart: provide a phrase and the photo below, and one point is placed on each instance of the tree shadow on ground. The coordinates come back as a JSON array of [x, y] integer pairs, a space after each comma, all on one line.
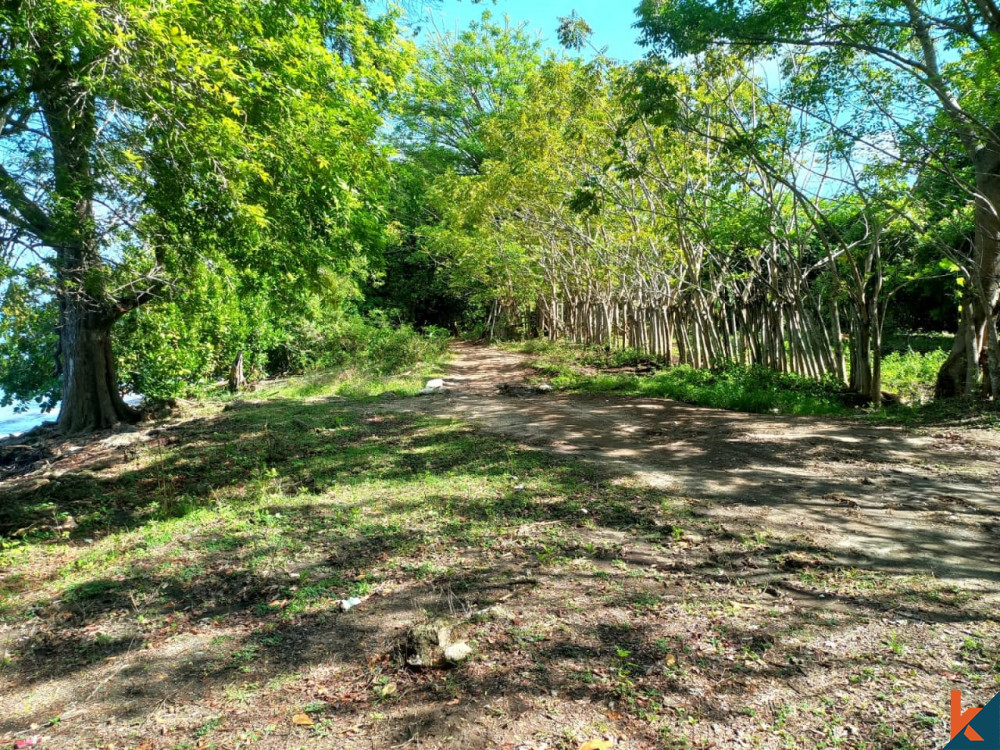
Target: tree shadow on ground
[[236, 535]]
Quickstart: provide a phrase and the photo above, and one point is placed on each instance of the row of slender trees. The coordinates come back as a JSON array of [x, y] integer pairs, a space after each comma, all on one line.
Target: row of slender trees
[[183, 181], [733, 208]]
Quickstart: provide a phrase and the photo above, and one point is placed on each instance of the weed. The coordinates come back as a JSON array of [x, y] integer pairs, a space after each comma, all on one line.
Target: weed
[[208, 727]]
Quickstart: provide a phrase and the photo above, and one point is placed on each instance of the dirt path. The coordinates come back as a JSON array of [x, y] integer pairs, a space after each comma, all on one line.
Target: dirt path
[[708, 579], [906, 501]]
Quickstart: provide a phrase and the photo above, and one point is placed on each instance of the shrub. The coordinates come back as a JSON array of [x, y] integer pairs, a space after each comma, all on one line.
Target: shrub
[[911, 374]]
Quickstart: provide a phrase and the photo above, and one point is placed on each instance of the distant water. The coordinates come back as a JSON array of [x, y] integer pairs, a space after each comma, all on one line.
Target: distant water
[[12, 423]]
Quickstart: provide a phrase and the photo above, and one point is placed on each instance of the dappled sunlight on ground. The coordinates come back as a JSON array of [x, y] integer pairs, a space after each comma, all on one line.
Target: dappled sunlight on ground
[[666, 576]]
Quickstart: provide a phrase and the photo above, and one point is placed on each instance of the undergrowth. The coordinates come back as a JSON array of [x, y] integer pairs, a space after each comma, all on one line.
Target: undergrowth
[[750, 389], [390, 361], [908, 370]]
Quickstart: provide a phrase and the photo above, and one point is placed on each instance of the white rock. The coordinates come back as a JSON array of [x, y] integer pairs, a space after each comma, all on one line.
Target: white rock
[[458, 652], [432, 387], [347, 605]]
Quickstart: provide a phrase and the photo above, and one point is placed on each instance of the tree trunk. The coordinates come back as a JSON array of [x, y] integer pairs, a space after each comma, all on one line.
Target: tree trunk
[[237, 380], [984, 291], [90, 397]]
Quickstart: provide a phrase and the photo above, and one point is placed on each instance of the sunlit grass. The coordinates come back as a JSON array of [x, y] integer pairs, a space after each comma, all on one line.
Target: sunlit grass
[[909, 370]]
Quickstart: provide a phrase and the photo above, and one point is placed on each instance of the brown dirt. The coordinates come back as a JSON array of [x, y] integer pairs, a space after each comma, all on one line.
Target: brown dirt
[[902, 500], [757, 625]]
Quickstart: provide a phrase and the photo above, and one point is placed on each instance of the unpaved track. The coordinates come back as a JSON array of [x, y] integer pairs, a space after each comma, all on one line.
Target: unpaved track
[[899, 500]]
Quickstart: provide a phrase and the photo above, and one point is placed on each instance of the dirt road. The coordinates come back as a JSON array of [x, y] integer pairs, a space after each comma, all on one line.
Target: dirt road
[[895, 499]]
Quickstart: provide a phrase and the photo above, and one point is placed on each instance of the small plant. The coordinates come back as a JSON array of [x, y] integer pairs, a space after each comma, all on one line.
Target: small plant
[[208, 727]]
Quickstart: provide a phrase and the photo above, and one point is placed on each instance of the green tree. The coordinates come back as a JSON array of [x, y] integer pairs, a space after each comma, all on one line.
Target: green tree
[[922, 66], [141, 138], [463, 81]]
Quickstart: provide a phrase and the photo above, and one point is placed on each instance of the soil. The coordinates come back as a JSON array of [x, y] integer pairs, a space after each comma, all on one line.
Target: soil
[[755, 625], [903, 500]]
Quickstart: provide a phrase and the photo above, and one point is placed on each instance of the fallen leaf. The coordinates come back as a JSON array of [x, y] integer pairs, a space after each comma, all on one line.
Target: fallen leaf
[[387, 690], [671, 660], [596, 745], [302, 720]]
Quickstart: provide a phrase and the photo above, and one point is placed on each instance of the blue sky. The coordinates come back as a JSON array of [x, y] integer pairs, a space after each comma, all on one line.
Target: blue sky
[[612, 21]]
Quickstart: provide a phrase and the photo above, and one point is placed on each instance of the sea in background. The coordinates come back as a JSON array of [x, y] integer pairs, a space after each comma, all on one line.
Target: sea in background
[[14, 423]]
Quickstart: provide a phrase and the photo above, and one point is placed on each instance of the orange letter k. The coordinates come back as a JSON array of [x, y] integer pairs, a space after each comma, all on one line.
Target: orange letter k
[[960, 721]]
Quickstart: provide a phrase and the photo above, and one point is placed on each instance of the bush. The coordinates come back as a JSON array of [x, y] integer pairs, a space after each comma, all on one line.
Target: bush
[[912, 374]]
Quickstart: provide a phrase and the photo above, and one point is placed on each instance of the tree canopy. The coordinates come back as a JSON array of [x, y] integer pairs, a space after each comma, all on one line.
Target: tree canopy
[[144, 141], [774, 184]]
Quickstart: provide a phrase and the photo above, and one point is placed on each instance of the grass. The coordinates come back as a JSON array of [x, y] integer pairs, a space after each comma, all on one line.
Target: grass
[[911, 374], [196, 596], [735, 387], [749, 389], [909, 369]]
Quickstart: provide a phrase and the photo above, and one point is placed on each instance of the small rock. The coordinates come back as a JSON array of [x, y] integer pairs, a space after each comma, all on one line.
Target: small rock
[[496, 613], [433, 386], [346, 605], [456, 653], [428, 644]]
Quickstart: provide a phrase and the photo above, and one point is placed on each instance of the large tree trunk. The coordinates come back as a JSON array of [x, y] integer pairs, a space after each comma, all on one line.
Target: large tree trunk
[[983, 293], [90, 397]]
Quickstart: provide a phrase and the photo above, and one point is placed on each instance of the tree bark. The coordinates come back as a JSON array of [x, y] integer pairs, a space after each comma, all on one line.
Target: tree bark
[[90, 395], [984, 291]]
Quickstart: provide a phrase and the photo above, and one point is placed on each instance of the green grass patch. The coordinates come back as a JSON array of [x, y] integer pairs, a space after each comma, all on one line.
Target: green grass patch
[[748, 389], [912, 373], [909, 370]]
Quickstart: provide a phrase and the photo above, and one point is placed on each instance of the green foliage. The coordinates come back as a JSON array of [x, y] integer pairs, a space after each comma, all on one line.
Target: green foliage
[[909, 370], [232, 147], [465, 81], [28, 342], [736, 387], [911, 374]]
